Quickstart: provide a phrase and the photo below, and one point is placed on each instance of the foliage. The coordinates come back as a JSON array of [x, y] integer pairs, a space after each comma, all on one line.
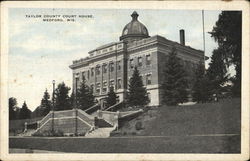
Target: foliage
[[138, 125], [217, 71], [46, 104], [62, 101], [201, 88], [25, 113], [46, 133], [112, 97], [12, 106], [227, 32], [85, 97], [175, 83], [137, 94]]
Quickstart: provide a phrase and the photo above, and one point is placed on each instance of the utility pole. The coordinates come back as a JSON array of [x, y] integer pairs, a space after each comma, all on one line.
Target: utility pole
[[76, 104]]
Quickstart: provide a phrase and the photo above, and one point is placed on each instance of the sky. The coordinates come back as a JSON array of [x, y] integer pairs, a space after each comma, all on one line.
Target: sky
[[40, 51]]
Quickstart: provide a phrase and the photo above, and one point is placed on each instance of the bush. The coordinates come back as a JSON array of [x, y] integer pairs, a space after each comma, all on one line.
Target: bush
[[133, 133], [138, 125], [43, 133], [47, 133], [58, 133], [82, 134], [115, 133]]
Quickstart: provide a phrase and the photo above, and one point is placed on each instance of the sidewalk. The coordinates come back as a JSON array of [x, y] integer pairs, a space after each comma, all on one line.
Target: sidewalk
[[13, 150]]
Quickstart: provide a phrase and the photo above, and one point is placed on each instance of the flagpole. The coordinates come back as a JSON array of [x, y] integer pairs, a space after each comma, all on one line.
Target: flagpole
[[203, 35]]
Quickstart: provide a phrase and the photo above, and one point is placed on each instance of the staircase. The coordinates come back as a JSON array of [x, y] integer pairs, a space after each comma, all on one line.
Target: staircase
[[28, 132], [100, 133]]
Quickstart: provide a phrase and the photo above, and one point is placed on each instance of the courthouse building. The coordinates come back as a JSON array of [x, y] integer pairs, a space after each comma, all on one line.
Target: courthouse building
[[113, 64]]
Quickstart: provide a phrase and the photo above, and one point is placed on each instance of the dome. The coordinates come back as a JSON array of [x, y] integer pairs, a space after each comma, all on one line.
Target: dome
[[134, 30]]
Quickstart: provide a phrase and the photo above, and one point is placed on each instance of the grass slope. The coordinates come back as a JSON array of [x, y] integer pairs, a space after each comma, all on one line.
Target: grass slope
[[210, 118]]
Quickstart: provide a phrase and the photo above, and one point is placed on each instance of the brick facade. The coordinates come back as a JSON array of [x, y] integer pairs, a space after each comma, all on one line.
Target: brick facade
[[113, 65]]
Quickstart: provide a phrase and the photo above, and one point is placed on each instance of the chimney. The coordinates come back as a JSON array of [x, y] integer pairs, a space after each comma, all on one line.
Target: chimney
[[182, 37]]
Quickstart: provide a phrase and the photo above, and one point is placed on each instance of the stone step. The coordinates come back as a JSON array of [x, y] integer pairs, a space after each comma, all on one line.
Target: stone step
[[29, 132], [100, 133]]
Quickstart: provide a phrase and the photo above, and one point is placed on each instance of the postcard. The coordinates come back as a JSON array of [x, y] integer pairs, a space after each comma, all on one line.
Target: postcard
[[121, 80]]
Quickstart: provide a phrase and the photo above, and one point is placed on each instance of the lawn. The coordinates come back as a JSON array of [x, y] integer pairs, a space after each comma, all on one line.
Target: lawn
[[209, 118], [200, 128], [173, 144]]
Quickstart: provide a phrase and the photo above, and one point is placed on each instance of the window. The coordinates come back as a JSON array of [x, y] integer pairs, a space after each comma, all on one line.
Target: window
[[131, 62], [92, 72], [148, 79], [118, 65], [139, 61], [111, 83], [111, 66], [77, 81], [83, 75], [148, 60], [92, 87], [104, 68], [98, 85], [119, 86], [98, 70], [104, 87], [88, 74]]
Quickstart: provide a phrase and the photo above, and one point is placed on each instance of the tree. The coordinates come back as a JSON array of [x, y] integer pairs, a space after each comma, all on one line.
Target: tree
[[137, 94], [62, 101], [37, 112], [85, 97], [12, 106], [227, 32], [45, 104], [175, 83], [25, 113], [111, 99], [217, 71], [201, 87]]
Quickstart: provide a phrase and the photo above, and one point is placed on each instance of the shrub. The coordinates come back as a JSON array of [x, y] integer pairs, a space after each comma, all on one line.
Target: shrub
[[138, 125], [57, 133], [47, 133], [133, 133], [82, 134]]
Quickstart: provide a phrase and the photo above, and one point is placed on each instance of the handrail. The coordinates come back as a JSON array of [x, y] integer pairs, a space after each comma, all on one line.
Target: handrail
[[113, 106], [85, 114], [108, 112], [90, 108], [63, 111], [45, 118], [48, 116], [122, 115]]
